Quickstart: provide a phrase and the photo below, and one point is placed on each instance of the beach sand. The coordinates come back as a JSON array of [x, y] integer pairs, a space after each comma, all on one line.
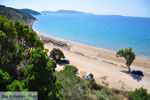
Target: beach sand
[[108, 70]]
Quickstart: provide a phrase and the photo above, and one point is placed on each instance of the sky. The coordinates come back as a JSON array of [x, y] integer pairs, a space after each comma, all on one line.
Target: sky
[[138, 8]]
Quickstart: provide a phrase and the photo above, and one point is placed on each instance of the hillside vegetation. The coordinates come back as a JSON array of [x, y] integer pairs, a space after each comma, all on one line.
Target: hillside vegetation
[[15, 14], [29, 11], [24, 64]]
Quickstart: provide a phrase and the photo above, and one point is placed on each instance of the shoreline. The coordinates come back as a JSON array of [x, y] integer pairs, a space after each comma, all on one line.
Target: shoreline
[[89, 46], [139, 56], [102, 63], [31, 25]]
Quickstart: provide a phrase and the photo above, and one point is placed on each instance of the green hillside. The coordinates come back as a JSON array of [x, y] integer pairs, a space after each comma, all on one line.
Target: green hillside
[[29, 11], [14, 14]]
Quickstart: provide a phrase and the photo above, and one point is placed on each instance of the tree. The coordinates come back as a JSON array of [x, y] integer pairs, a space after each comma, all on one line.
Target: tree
[[39, 76], [16, 42], [129, 56], [57, 54], [24, 64], [9, 54]]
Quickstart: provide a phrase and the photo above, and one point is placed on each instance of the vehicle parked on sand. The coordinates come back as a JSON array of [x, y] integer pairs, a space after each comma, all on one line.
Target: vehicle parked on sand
[[89, 76], [138, 72], [59, 61], [65, 61]]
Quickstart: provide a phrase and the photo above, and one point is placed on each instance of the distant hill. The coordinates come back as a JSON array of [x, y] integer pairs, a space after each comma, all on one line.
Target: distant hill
[[29, 11], [65, 12], [15, 14]]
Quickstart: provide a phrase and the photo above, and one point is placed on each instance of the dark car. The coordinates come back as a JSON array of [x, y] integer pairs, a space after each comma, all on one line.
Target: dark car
[[58, 61], [138, 72], [65, 61], [89, 76]]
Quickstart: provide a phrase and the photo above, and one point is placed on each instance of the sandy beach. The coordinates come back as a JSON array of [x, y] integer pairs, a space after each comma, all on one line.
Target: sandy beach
[[108, 70]]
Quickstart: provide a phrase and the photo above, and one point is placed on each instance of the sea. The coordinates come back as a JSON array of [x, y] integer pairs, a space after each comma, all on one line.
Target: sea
[[111, 32]]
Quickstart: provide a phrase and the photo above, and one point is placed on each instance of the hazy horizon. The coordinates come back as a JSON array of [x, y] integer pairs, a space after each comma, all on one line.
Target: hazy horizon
[[135, 8]]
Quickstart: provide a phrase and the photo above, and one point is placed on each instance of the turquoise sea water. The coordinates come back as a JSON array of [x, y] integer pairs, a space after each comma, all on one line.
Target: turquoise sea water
[[103, 31]]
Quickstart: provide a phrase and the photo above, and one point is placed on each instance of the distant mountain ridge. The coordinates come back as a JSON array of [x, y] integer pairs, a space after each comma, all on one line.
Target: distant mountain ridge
[[29, 11], [66, 12]]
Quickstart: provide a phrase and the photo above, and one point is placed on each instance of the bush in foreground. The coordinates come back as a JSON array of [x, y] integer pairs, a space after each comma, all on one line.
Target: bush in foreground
[[71, 68], [73, 87], [92, 84], [140, 94]]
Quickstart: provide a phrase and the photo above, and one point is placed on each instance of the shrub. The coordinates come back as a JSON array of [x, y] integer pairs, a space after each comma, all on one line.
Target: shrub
[[101, 97], [92, 84], [106, 91], [73, 87], [71, 68], [140, 94]]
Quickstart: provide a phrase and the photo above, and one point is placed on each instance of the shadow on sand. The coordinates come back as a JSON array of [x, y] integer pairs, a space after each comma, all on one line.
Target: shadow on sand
[[135, 77]]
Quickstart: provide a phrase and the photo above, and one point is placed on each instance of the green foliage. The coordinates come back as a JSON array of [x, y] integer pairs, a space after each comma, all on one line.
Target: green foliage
[[71, 68], [15, 14], [128, 54], [27, 36], [57, 53], [101, 96], [73, 87], [53, 64], [43, 79], [92, 84], [17, 86], [24, 64], [140, 94], [5, 79], [15, 44]]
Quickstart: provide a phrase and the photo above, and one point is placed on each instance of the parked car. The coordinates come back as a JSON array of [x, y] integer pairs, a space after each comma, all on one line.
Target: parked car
[[89, 76], [138, 72], [58, 61], [65, 61]]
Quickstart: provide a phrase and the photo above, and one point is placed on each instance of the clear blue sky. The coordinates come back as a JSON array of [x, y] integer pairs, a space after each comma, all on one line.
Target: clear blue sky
[[108, 7]]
